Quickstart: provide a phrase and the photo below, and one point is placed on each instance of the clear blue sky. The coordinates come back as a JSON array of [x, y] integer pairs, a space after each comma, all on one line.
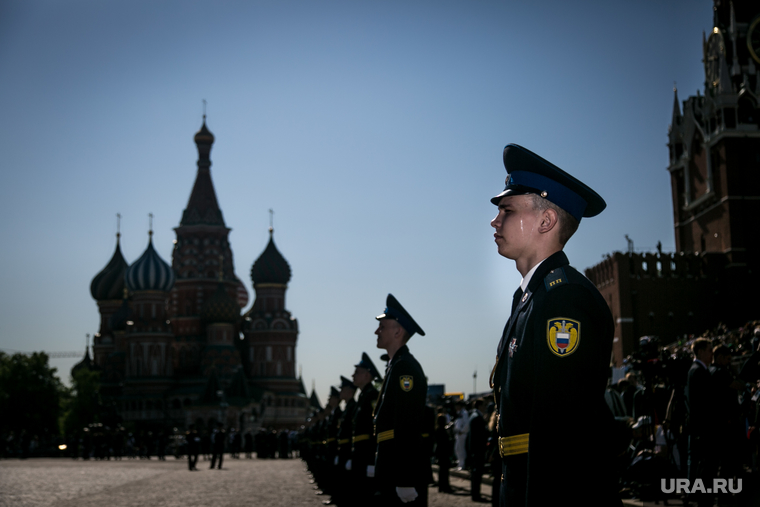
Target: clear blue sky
[[373, 129]]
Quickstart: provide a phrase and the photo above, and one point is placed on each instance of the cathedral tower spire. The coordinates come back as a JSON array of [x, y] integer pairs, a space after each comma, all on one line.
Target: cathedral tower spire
[[202, 207]]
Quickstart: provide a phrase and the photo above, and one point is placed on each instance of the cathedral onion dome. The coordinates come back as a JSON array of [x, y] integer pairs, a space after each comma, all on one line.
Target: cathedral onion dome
[[118, 321], [109, 283], [150, 272], [242, 293], [271, 266], [204, 135], [84, 364], [220, 307]]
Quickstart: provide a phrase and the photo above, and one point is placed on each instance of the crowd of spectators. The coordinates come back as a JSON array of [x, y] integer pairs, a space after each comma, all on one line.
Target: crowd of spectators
[[689, 409]]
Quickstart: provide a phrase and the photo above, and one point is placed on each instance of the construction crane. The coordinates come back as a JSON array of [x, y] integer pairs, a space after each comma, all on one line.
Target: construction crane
[[51, 355]]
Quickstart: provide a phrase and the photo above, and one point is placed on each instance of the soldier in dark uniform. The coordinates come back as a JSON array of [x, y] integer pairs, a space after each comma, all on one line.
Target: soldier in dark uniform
[[193, 447], [362, 462], [218, 438], [553, 359], [345, 431], [477, 439], [332, 425], [318, 445], [402, 462]]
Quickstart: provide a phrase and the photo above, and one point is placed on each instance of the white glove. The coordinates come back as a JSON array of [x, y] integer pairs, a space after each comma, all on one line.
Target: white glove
[[348, 465], [336, 461], [370, 470], [406, 494]]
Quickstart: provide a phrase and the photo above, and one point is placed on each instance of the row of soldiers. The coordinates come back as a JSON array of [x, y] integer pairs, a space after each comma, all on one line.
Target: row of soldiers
[[377, 450]]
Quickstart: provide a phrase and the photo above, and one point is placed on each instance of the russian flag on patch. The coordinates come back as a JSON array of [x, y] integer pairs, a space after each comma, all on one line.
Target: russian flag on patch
[[563, 340]]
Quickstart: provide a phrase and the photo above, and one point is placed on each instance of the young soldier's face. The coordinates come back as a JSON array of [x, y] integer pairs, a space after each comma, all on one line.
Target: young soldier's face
[[361, 377], [515, 226], [388, 331]]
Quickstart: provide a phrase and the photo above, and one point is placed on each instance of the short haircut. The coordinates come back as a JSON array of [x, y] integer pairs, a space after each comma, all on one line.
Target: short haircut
[[721, 350], [700, 344], [567, 224]]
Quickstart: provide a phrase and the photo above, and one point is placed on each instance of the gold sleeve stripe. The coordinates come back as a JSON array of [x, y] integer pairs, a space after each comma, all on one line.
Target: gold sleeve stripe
[[516, 444]]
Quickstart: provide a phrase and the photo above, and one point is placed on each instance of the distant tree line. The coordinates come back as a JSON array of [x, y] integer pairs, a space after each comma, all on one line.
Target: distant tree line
[[38, 411]]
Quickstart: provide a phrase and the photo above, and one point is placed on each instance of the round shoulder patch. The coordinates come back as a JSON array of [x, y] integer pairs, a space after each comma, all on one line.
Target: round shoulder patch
[[407, 382], [563, 335]]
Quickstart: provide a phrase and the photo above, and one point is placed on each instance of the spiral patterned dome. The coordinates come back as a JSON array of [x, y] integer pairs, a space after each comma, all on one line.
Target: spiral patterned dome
[[242, 293], [220, 307], [150, 272], [271, 266], [109, 283]]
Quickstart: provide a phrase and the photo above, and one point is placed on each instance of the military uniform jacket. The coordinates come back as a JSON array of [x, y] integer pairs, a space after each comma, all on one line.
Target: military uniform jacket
[[345, 432], [399, 423], [363, 438], [333, 426], [549, 383]]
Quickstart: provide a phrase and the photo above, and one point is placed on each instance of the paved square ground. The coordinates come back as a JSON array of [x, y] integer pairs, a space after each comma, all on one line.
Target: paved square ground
[[61, 482]]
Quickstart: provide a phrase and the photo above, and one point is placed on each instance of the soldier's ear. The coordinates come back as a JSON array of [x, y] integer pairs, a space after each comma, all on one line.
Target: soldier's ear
[[549, 220]]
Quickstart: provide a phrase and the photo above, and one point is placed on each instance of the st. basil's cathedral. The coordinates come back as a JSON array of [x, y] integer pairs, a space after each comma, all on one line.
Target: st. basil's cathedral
[[173, 348]]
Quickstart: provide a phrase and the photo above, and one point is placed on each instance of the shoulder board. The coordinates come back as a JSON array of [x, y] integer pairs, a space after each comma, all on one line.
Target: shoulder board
[[555, 278]]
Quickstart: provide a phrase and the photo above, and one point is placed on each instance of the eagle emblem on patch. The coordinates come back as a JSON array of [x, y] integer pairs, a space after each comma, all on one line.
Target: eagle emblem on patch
[[407, 382], [563, 335]]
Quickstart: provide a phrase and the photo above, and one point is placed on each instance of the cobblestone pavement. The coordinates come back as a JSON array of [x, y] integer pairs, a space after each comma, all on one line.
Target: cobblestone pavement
[[60, 482]]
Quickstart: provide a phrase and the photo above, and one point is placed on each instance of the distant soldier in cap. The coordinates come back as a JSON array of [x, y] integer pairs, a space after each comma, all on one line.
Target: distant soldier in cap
[[345, 431], [332, 424], [402, 461], [362, 461], [553, 359]]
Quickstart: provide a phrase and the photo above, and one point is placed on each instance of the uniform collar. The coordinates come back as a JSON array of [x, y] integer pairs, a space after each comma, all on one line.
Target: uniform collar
[[555, 260], [400, 352], [526, 279]]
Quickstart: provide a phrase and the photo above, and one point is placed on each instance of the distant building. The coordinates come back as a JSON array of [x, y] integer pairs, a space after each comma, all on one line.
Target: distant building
[[173, 347], [714, 165]]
